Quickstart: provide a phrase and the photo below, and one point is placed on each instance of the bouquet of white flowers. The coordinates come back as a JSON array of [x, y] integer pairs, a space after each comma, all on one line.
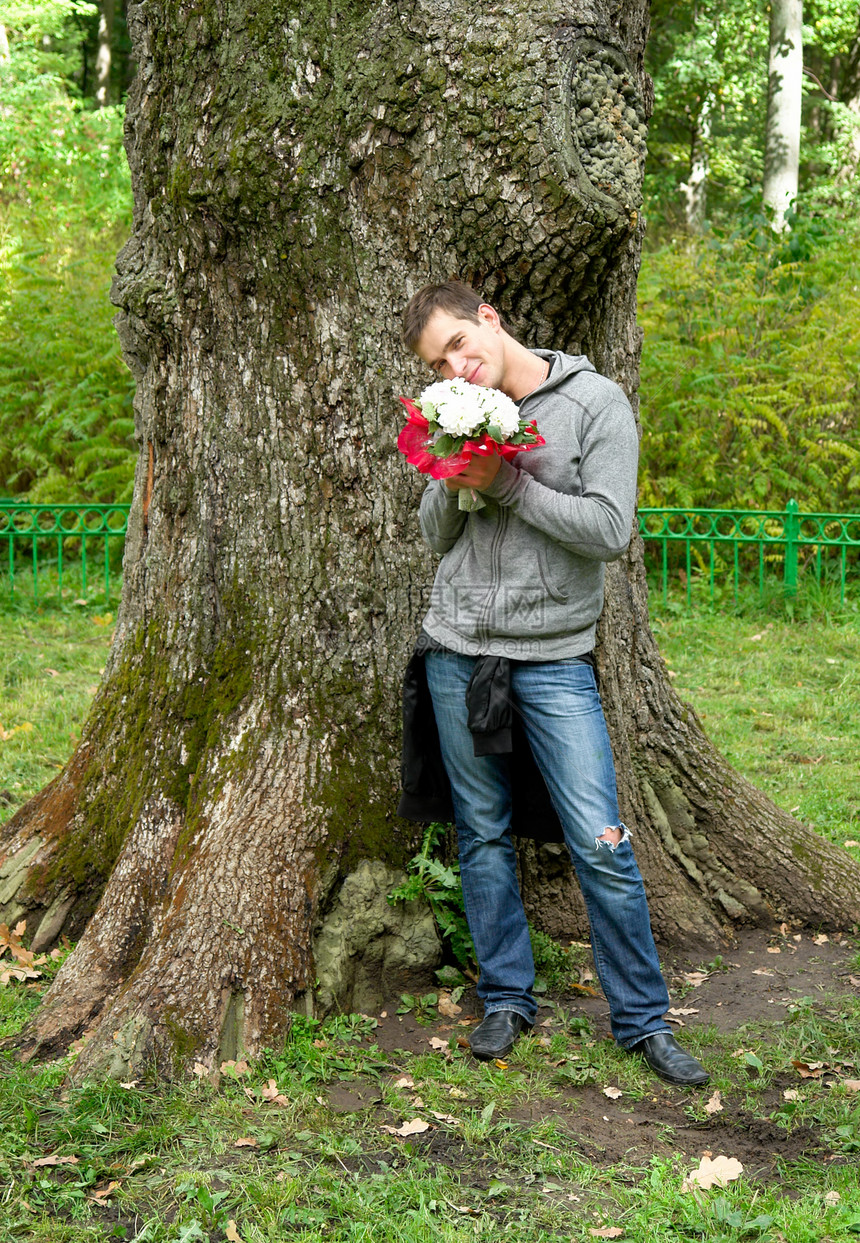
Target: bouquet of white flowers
[[453, 421]]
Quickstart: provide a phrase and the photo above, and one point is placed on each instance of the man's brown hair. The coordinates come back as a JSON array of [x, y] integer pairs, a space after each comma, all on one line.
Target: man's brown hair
[[453, 297]]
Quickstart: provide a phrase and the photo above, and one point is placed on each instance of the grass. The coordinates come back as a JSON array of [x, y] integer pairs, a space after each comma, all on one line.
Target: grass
[[779, 699], [50, 665], [187, 1161], [514, 1153]]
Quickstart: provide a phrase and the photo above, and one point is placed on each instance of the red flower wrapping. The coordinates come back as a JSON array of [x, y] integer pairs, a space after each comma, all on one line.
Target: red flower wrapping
[[413, 443]]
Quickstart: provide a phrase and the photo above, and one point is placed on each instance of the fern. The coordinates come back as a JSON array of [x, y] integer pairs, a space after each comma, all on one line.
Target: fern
[[751, 369]]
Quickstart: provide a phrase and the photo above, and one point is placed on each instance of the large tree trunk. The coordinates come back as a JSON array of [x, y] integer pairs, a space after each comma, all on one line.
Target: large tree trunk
[[784, 99], [295, 180]]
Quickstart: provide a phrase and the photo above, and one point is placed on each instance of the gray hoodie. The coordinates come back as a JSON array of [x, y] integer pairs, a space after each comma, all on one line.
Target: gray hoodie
[[523, 577]]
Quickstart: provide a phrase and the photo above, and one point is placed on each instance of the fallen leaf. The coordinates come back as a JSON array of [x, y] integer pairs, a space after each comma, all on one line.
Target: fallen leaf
[[436, 1042], [200, 1069], [583, 990], [785, 929], [682, 1010], [417, 1102], [762, 971], [790, 1094], [612, 1093], [832, 1197], [444, 1117], [851, 1085], [448, 1007], [18, 973], [694, 977], [459, 1093], [809, 1070], [55, 1160], [129, 1084], [271, 1094], [231, 1234], [405, 1081], [500, 1063], [821, 939], [713, 1172], [247, 1141], [415, 1127], [54, 673], [103, 1193], [234, 1068], [851, 843], [774, 949], [606, 1232], [670, 1018], [715, 1104]]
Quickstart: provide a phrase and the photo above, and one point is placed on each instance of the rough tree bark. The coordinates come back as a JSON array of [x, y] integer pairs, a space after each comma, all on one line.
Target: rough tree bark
[[298, 172], [784, 99]]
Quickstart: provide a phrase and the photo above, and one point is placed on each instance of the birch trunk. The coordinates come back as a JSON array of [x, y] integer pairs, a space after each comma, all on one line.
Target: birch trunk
[[297, 175], [784, 99], [104, 54]]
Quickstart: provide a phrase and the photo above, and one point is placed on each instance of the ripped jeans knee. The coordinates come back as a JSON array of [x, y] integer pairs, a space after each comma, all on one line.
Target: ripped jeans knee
[[612, 836]]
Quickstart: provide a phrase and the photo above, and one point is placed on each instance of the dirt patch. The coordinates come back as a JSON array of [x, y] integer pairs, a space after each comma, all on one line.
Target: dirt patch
[[756, 981], [751, 983], [762, 975]]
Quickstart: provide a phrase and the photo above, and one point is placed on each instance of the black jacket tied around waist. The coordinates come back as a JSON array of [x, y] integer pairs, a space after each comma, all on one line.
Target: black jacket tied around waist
[[496, 730]]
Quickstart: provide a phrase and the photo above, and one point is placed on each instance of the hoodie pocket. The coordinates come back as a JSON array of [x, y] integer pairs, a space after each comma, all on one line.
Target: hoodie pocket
[[452, 562], [553, 577]]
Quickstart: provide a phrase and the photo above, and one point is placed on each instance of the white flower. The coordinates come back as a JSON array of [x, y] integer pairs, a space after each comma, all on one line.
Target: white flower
[[501, 411], [462, 409], [455, 404]]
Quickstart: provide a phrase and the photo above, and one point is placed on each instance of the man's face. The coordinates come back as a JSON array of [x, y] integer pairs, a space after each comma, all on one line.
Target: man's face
[[458, 348]]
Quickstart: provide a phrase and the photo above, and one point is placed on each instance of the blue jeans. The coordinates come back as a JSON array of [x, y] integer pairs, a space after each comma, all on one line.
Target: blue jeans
[[561, 712]]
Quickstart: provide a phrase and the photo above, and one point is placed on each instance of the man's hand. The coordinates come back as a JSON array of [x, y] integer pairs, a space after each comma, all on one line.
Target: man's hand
[[479, 474]]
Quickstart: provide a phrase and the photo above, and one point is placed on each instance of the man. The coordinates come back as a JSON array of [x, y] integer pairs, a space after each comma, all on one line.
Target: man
[[522, 579]]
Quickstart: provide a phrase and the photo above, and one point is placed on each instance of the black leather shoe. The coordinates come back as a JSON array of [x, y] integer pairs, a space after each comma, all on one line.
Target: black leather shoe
[[668, 1060], [496, 1036]]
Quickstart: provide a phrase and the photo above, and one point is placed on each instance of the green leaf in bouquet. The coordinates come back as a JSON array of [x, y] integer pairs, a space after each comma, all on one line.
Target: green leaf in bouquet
[[495, 433], [445, 445]]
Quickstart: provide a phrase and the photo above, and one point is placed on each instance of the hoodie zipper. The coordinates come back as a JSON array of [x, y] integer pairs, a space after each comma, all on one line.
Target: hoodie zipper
[[482, 627]]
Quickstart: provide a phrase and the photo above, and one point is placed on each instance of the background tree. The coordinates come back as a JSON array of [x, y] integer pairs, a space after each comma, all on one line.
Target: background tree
[[66, 427], [784, 96], [297, 174], [105, 53], [711, 58]]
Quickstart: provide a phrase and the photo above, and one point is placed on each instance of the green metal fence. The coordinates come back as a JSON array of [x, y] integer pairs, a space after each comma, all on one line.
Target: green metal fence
[[719, 544], [40, 538], [709, 545]]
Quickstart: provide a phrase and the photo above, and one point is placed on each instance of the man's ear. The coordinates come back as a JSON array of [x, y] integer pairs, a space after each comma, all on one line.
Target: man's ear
[[488, 315]]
